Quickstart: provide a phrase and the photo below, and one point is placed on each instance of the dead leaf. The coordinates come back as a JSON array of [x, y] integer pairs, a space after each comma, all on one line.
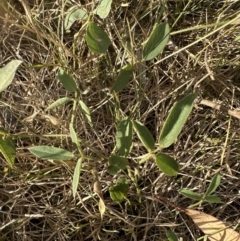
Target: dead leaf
[[97, 189], [102, 207], [52, 119], [211, 226]]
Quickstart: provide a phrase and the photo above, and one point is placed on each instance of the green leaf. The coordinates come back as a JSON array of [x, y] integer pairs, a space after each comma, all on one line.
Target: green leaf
[[67, 81], [171, 236], [52, 153], [8, 150], [103, 9], [176, 120], [237, 38], [86, 112], [157, 41], [72, 16], [167, 164], [213, 199], [59, 102], [190, 194], [214, 184], [144, 135], [76, 176], [7, 73], [74, 136], [120, 190], [123, 78], [124, 137], [116, 164], [97, 40]]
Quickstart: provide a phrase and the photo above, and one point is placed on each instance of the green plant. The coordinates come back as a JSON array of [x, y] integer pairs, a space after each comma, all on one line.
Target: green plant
[[207, 196], [98, 42]]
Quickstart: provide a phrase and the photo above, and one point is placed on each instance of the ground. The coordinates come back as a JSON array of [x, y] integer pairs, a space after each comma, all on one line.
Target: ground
[[202, 56]]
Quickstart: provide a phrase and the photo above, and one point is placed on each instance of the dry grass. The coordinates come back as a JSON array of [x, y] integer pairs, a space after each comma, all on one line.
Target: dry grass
[[36, 200]]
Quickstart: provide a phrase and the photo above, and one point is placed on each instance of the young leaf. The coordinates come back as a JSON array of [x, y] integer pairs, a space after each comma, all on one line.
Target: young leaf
[[157, 41], [86, 112], [59, 102], [123, 78], [167, 164], [144, 135], [176, 120], [51, 153], [190, 194], [116, 164], [74, 15], [212, 227], [74, 136], [76, 176], [120, 190], [8, 150], [103, 8], [213, 185], [171, 236], [213, 199], [7, 73], [124, 137], [67, 81], [97, 40]]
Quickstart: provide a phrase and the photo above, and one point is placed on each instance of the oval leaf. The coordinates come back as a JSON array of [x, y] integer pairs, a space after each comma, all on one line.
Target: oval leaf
[[171, 236], [123, 78], [72, 16], [157, 41], [103, 8], [116, 164], [144, 135], [214, 184], [67, 81], [213, 199], [120, 190], [211, 226], [59, 102], [86, 112], [8, 150], [190, 194], [175, 120], [7, 73], [76, 176], [167, 164], [51, 153], [124, 137], [97, 40]]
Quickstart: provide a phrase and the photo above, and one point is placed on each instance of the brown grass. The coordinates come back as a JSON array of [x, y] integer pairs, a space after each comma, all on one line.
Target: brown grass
[[36, 200]]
